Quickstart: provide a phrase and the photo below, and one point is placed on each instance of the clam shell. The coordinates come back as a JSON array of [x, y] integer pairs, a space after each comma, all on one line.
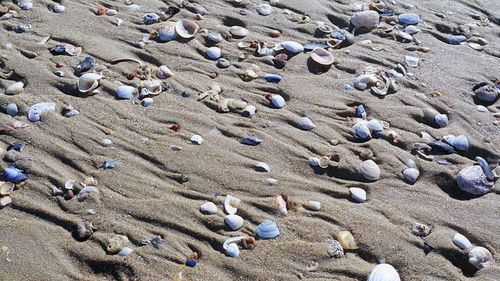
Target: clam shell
[[264, 9], [314, 161], [365, 81], [234, 222], [365, 19], [360, 111], [231, 204], [213, 53], [147, 102], [125, 92], [347, 241], [292, 47], [369, 170], [358, 194], [313, 205], [167, 33], [306, 124], [88, 82], [384, 272], [268, 229], [213, 38], [186, 28], [163, 72], [485, 167], [322, 57], [125, 251], [6, 188], [281, 205], [238, 31], [480, 257], [409, 19], [411, 29], [15, 89], [461, 143], [472, 180], [278, 101], [11, 109], [232, 240], [249, 111], [441, 120], [4, 201], [461, 241], [208, 208], [324, 162], [35, 111], [361, 130], [262, 167], [375, 126], [233, 250], [197, 139], [411, 175], [272, 78]]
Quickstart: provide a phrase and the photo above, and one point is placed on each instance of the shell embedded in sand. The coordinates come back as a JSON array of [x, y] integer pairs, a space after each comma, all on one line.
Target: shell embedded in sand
[[15, 89], [369, 170], [167, 33], [213, 53], [313, 205], [292, 47], [186, 28], [231, 204], [234, 222], [410, 175], [264, 9], [365, 81], [473, 180], [6, 188], [365, 19], [262, 167], [88, 82], [231, 246], [280, 204], [358, 194], [278, 101], [306, 124], [268, 229], [384, 272], [346, 239], [238, 31], [208, 208], [163, 72], [322, 57], [480, 257], [461, 241], [125, 92], [35, 111], [117, 243]]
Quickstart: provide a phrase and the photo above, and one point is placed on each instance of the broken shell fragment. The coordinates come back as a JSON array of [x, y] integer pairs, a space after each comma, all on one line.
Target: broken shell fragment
[[480, 257], [186, 28], [231, 204], [35, 111], [347, 241], [322, 57], [15, 89]]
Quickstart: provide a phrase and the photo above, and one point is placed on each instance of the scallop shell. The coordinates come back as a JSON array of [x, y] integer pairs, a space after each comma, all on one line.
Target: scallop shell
[[88, 82], [358, 194], [480, 257], [15, 89], [268, 229], [369, 170], [472, 180], [231, 204], [461, 241], [306, 124], [365, 81], [322, 57], [238, 31], [280, 204], [384, 272], [36, 110], [234, 222], [208, 208], [186, 28], [163, 72], [347, 241], [292, 47], [365, 19]]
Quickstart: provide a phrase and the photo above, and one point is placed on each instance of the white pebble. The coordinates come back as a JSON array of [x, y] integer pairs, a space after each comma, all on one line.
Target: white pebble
[[461, 241], [106, 142], [314, 205], [197, 139], [358, 194]]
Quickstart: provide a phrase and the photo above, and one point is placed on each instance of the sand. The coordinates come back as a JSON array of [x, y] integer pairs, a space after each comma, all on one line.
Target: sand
[[154, 190]]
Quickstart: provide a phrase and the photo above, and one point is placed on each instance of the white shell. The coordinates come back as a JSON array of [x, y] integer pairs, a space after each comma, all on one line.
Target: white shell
[[88, 82], [461, 241], [365, 81], [186, 28], [234, 222], [278, 101], [262, 167], [369, 170], [197, 139], [106, 142], [68, 185], [208, 208], [163, 72], [125, 251], [480, 257], [314, 161], [358, 194], [233, 250], [322, 56], [411, 175], [58, 8], [167, 33], [365, 19], [292, 47], [232, 240], [264, 9], [231, 204], [15, 88], [238, 31], [306, 124], [4, 201], [214, 53], [314, 205], [281, 205], [35, 111], [125, 92], [271, 181], [384, 272]]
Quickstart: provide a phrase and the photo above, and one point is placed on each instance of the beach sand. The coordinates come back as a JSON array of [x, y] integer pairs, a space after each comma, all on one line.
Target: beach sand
[[154, 190]]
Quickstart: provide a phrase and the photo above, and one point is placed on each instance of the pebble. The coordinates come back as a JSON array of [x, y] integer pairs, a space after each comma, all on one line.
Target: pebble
[[408, 19], [313, 205], [106, 142], [11, 109], [4, 201], [271, 181], [262, 167], [250, 140], [59, 8], [411, 175], [456, 39], [334, 249], [411, 61]]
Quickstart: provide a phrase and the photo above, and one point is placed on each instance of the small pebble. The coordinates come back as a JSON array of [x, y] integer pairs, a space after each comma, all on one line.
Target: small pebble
[[481, 108], [106, 142], [271, 181]]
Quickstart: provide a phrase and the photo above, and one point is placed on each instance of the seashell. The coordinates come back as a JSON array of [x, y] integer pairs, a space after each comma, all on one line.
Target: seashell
[[147, 102], [234, 222], [274, 33], [186, 28], [264, 9], [11, 109], [461, 143], [272, 78], [360, 111], [277, 101], [232, 250], [369, 170], [208, 208], [324, 28], [223, 63], [343, 36], [480, 257], [125, 251], [361, 130], [365, 81], [487, 92], [409, 19], [58, 8], [36, 110], [324, 162], [250, 140], [238, 31], [313, 205], [84, 230], [271, 181], [163, 72], [244, 44], [231, 245], [358, 194], [421, 230], [456, 39], [15, 89], [213, 53], [249, 111], [197, 139], [150, 18], [346, 240], [312, 46], [231, 204], [384, 272], [411, 61], [292, 47], [314, 161], [375, 127], [411, 29], [88, 82], [434, 117], [262, 167], [306, 124], [365, 19], [411, 175], [334, 248], [461, 241], [322, 57], [213, 38], [486, 168], [6, 188], [441, 120], [85, 193], [268, 229], [167, 33], [125, 92], [117, 243], [106, 142], [111, 12], [133, 8], [473, 180], [151, 88], [280, 204], [4, 201]]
